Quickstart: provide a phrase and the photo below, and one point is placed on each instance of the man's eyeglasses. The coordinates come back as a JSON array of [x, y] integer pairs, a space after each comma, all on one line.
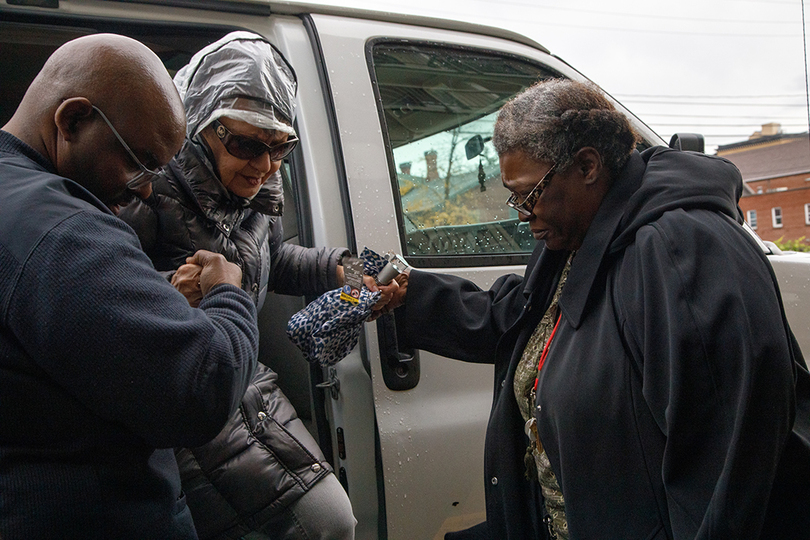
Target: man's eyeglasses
[[249, 148], [146, 176], [527, 205]]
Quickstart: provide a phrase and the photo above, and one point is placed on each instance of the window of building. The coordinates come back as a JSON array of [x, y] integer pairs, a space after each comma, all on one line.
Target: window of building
[[751, 218], [776, 216], [807, 214]]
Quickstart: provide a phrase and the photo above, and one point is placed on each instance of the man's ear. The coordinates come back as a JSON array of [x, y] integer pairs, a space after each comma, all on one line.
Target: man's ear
[[70, 115], [589, 162]]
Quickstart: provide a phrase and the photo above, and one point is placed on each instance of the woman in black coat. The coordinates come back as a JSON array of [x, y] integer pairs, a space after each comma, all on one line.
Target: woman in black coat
[[647, 384], [264, 473]]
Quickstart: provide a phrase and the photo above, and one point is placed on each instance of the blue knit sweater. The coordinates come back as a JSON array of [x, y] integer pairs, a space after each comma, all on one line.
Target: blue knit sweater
[[104, 367]]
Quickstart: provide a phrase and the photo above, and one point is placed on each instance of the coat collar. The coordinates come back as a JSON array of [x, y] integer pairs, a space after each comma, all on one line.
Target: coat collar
[[589, 257], [194, 172], [12, 145]]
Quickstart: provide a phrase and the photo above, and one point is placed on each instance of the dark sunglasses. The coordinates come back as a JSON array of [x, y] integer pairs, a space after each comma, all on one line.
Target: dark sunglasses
[[145, 176], [527, 205], [249, 148]]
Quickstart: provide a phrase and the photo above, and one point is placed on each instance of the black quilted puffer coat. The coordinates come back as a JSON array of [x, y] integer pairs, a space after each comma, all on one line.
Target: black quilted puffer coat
[[265, 458]]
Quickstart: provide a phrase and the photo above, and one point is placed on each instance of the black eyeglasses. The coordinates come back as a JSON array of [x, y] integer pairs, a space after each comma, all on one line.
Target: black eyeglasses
[[146, 176], [527, 205], [249, 148]]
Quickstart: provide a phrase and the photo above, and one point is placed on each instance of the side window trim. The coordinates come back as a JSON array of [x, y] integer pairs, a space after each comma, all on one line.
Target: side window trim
[[337, 146]]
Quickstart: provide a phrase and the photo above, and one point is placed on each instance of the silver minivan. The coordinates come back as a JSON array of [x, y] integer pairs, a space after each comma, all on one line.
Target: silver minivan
[[394, 115]]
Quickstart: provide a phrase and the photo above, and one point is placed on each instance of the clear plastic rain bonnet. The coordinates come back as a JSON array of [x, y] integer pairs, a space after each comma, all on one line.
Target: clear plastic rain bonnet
[[241, 76]]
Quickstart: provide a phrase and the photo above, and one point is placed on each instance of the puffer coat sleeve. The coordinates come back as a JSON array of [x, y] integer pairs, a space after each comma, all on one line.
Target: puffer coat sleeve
[[298, 270]]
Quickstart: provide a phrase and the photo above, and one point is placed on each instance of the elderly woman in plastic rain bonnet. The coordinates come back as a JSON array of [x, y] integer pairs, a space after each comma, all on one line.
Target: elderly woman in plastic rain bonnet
[[239, 97], [223, 193]]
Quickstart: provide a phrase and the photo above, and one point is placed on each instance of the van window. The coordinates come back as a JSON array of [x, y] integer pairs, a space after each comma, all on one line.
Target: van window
[[26, 41], [439, 105]]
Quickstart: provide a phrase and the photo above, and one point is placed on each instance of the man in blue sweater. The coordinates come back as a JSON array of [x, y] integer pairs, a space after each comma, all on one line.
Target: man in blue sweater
[[104, 366]]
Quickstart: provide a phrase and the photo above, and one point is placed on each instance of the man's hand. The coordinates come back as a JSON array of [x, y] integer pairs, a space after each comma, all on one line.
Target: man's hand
[[215, 269]]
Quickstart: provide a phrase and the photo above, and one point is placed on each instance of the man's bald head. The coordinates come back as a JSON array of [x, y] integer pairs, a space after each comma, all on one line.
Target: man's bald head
[[119, 76]]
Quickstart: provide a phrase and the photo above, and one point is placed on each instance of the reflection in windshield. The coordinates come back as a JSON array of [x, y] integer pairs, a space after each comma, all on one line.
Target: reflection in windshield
[[438, 185], [440, 105]]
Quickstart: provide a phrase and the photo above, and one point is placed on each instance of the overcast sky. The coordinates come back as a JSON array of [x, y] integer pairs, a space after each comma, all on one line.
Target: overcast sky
[[719, 67]]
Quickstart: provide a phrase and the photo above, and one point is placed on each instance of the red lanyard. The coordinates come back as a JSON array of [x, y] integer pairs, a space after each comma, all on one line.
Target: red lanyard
[[545, 350]]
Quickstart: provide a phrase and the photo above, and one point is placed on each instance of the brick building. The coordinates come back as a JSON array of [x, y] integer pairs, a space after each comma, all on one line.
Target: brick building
[[776, 170]]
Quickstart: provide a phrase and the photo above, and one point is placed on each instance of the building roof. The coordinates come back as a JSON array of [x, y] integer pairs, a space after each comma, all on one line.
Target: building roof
[[769, 157]]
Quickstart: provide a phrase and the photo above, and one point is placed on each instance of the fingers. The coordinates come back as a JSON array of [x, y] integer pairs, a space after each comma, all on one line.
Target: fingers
[[187, 270], [203, 257], [215, 269], [377, 313], [187, 281], [340, 275], [392, 296], [370, 283], [387, 293], [400, 292]]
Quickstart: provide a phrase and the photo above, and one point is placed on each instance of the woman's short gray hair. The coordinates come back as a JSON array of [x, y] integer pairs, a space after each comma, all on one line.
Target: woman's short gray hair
[[553, 119]]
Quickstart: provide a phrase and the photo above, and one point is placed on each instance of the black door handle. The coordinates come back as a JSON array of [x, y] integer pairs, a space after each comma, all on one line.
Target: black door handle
[[400, 368]]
